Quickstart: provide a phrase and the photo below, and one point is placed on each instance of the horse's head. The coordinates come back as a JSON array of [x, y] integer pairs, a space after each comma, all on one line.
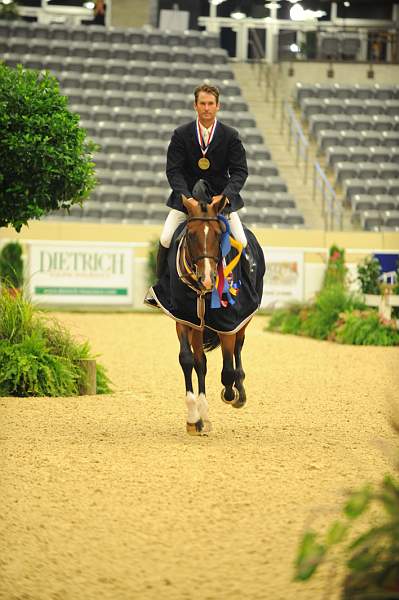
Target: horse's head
[[203, 236]]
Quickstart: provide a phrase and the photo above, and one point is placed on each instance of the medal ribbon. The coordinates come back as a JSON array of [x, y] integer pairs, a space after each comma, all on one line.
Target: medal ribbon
[[204, 147]]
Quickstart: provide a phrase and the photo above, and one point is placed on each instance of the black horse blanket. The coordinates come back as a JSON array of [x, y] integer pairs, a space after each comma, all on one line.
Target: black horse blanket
[[181, 302]]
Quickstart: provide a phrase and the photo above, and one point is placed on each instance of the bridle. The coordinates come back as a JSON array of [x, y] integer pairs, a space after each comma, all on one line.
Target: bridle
[[201, 256], [187, 268]]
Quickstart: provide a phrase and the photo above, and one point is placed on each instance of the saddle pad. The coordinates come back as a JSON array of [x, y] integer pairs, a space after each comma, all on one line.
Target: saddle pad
[[181, 302]]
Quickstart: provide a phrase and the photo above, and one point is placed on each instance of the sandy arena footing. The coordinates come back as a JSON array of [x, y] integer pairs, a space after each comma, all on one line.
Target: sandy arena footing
[[108, 497]]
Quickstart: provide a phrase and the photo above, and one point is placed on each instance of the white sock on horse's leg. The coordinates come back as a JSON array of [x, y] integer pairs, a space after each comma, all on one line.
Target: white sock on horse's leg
[[202, 404], [173, 220], [193, 414], [237, 229]]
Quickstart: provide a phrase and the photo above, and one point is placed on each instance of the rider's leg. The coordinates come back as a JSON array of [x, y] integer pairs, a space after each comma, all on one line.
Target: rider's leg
[[238, 233], [237, 229], [173, 220]]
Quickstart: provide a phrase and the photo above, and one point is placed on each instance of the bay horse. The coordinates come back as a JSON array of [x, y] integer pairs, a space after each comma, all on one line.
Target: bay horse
[[200, 294]]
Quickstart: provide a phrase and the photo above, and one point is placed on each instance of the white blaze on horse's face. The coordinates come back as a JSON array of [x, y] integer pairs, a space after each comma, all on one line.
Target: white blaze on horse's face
[[207, 279]]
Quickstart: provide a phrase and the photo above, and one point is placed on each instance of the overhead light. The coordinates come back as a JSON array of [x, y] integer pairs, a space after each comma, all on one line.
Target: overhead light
[[294, 48], [89, 5], [7, 1], [347, 4], [294, 1], [216, 2], [271, 5], [298, 13], [237, 14]]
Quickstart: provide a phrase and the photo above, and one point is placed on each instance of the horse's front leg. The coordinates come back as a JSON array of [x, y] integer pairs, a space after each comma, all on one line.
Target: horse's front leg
[[197, 338], [229, 392], [239, 372], [195, 424]]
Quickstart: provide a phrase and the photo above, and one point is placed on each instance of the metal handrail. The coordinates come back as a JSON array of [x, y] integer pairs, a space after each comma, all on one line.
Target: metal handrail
[[331, 209], [296, 134], [264, 69]]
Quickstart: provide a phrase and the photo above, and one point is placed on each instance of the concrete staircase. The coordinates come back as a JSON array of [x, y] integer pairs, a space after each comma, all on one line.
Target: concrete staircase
[[266, 107]]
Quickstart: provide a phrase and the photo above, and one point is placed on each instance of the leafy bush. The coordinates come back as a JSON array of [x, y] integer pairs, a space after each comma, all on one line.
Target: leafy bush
[[288, 320], [365, 328], [38, 356], [373, 561], [328, 305], [368, 273], [11, 265], [315, 320], [46, 161], [336, 314], [336, 271]]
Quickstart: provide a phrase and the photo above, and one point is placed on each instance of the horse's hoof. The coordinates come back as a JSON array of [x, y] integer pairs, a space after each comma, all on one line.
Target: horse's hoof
[[197, 428], [233, 400], [207, 427], [240, 400]]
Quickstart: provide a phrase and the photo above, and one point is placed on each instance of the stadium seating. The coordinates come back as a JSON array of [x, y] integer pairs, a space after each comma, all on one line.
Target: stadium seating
[[131, 88], [356, 129]]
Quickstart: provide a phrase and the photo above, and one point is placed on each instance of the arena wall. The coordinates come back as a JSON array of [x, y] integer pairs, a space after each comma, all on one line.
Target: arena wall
[[314, 245]]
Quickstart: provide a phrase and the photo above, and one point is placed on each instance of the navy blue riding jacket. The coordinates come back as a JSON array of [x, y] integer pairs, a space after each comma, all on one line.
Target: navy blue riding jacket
[[228, 169]]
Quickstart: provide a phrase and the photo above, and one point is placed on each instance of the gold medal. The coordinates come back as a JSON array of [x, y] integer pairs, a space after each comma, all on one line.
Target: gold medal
[[204, 163]]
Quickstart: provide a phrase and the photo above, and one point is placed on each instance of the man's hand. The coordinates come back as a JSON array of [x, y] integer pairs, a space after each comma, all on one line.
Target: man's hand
[[217, 199]]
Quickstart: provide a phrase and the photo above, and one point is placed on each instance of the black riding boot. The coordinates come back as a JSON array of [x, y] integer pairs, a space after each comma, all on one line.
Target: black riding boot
[[162, 257], [161, 260]]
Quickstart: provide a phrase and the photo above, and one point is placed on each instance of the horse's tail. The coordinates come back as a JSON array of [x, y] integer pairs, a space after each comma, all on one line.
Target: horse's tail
[[211, 340]]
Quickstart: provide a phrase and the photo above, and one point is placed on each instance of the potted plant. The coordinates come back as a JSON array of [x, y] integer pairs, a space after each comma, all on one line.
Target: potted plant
[[46, 160], [372, 558], [11, 267]]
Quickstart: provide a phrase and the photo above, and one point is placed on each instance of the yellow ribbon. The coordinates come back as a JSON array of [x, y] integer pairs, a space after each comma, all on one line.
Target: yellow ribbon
[[233, 263]]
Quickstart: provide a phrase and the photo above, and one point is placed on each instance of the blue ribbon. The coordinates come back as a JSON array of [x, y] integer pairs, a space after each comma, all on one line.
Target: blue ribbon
[[225, 245]]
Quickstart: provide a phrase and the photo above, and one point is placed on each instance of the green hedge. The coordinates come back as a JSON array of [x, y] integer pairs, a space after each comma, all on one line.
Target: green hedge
[[38, 356], [335, 314]]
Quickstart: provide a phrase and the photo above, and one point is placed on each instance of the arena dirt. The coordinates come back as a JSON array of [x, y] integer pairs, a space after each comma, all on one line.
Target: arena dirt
[[108, 497]]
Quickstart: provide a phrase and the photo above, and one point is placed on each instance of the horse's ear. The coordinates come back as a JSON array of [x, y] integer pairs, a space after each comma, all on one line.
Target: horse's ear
[[189, 203]]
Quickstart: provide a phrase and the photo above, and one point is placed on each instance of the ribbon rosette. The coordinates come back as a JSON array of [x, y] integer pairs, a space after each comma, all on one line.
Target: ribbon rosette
[[225, 288]]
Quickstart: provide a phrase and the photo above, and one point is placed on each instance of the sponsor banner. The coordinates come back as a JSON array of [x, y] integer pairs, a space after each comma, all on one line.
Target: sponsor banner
[[84, 274], [284, 278]]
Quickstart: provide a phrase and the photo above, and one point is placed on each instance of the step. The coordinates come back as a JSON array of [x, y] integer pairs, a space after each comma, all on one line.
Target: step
[[267, 112]]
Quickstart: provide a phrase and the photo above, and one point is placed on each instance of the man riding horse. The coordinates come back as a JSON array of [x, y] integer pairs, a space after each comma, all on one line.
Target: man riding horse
[[213, 282], [205, 149]]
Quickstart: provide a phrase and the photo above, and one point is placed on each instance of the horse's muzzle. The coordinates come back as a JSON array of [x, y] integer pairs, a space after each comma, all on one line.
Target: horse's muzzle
[[207, 282]]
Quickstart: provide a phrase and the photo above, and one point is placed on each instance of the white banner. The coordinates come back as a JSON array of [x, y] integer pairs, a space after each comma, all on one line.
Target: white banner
[[284, 278], [84, 274]]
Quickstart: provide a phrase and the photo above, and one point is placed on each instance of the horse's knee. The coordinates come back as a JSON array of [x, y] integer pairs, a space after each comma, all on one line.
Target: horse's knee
[[200, 364], [186, 360]]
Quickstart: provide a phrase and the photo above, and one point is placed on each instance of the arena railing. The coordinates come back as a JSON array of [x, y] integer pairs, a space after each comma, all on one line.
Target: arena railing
[[296, 136], [331, 208]]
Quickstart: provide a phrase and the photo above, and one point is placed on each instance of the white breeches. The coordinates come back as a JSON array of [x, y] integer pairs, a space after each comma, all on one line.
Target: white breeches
[[175, 217]]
